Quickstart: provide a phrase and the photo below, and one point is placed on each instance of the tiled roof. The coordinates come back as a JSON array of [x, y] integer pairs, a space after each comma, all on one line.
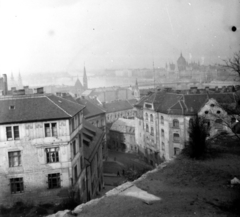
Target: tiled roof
[[90, 109], [132, 101], [29, 108], [187, 104], [87, 92], [124, 125], [94, 136], [118, 105], [141, 102]]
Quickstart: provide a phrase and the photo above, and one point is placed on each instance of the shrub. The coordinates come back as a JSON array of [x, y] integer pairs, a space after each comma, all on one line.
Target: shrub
[[197, 146]]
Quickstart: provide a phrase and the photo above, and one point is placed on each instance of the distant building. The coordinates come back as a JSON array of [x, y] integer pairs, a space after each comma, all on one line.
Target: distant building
[[122, 136], [109, 94], [118, 109]]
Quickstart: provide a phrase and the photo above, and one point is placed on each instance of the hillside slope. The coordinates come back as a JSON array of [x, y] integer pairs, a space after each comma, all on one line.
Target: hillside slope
[[185, 188]]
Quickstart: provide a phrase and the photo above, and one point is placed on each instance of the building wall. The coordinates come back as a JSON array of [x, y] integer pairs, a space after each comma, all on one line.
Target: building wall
[[32, 164], [113, 116], [34, 167], [94, 173], [100, 122], [122, 141]]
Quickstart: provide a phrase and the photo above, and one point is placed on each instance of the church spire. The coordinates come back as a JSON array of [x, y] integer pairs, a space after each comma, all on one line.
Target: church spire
[[85, 81], [136, 85]]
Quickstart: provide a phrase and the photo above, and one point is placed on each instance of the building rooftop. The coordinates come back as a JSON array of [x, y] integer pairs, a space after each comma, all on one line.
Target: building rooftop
[[90, 109], [124, 125], [31, 108], [117, 105], [185, 102]]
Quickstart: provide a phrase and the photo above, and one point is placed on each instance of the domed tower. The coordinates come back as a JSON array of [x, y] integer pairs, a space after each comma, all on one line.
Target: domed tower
[[182, 63]]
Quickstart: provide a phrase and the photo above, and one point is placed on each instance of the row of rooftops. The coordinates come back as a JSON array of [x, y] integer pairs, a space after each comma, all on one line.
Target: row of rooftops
[[185, 103], [33, 108]]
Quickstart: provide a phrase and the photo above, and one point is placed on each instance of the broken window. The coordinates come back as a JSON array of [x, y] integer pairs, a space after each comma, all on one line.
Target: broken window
[[54, 180], [16, 185], [14, 158], [52, 155]]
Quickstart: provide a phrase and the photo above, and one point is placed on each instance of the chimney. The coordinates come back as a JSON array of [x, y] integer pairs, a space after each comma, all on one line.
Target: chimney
[[5, 83]]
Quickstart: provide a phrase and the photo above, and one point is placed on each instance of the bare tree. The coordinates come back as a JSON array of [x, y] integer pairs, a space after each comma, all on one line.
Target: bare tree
[[233, 63]]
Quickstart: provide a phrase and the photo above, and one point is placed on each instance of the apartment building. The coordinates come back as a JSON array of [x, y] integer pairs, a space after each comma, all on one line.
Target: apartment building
[[41, 151], [163, 119]]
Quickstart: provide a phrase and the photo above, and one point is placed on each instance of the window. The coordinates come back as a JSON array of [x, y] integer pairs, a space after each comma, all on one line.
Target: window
[[80, 140], [146, 116], [81, 159], [190, 122], [175, 123], [54, 180], [52, 155], [176, 137], [176, 151], [162, 120], [163, 146], [14, 158], [162, 132], [75, 173], [15, 130], [16, 185], [148, 105], [151, 118], [51, 129], [74, 148], [152, 131], [147, 129]]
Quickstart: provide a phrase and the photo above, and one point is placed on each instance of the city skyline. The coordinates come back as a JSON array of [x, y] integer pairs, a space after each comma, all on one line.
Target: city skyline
[[63, 35]]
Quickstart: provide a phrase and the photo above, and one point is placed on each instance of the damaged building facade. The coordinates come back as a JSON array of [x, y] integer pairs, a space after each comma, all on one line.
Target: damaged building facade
[[164, 117], [41, 149]]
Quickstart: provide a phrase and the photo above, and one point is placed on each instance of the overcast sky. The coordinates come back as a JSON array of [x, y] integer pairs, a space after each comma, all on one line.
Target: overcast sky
[[60, 35]]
